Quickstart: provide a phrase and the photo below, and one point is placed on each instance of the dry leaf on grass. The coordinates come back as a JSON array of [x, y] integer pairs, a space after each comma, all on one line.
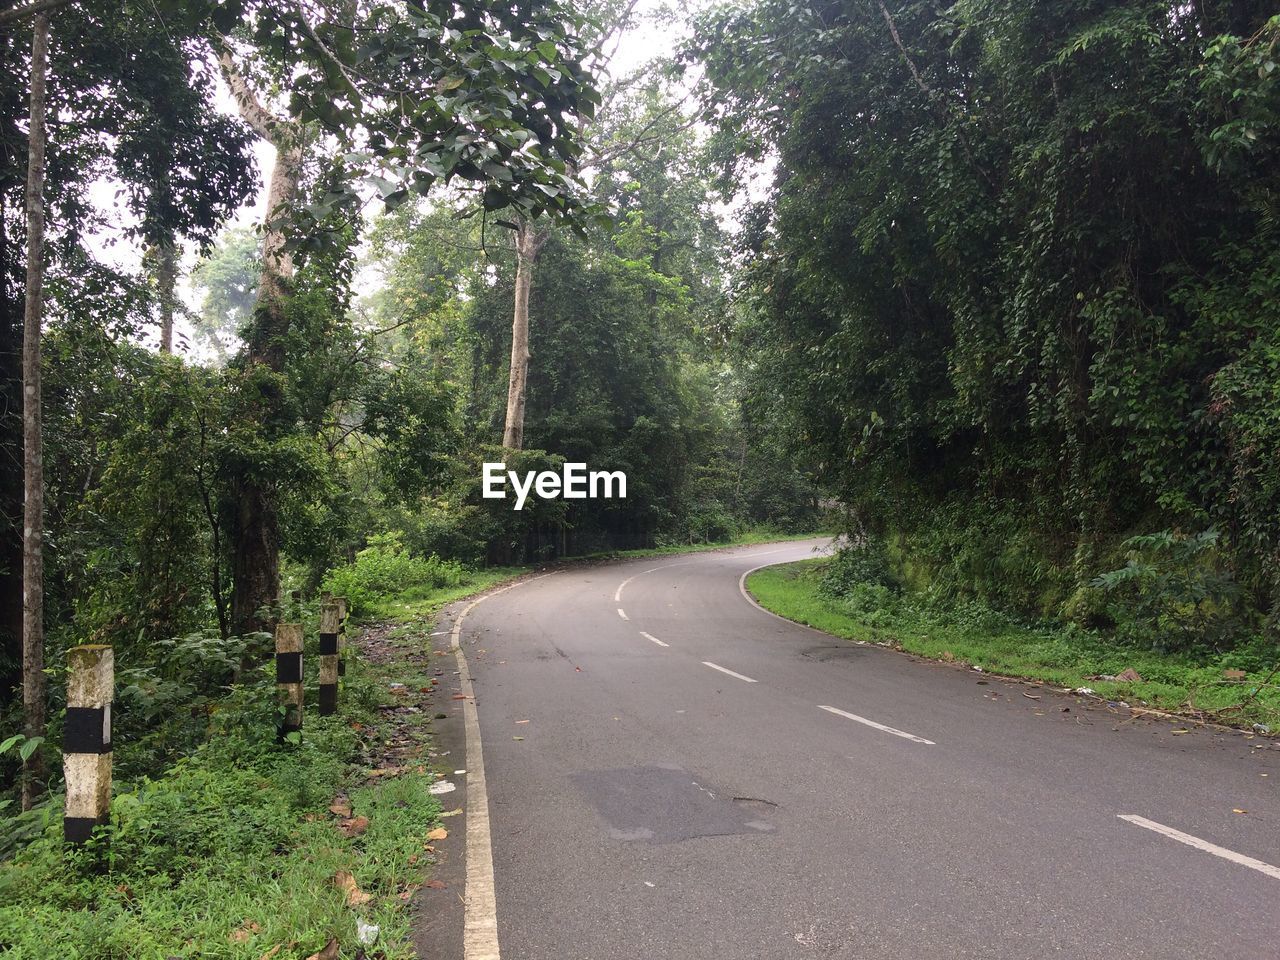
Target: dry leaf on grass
[[386, 772], [439, 833], [272, 952], [346, 882], [354, 826], [328, 952], [1234, 674], [242, 933], [340, 808]]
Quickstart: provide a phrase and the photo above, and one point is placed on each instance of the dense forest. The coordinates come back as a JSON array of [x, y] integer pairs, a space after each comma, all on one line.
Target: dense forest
[[993, 286]]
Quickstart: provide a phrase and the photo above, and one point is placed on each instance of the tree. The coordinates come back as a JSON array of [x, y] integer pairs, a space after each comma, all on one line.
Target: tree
[[484, 95], [981, 281], [33, 693]]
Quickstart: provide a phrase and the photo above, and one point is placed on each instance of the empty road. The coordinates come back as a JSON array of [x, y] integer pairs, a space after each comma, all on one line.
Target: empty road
[[672, 773]]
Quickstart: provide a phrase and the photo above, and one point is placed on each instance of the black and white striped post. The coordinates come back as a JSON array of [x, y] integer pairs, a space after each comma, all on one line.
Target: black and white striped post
[[86, 740], [289, 675], [342, 635], [329, 625]]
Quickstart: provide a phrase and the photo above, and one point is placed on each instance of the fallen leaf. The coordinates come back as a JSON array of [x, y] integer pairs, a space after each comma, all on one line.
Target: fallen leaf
[[1031, 696], [340, 808], [272, 952], [517, 738], [437, 884], [354, 826], [345, 882], [522, 721], [1238, 810], [456, 812], [385, 772], [328, 952], [1234, 674], [244, 932], [1129, 675], [947, 656], [1181, 731], [459, 696], [439, 833]]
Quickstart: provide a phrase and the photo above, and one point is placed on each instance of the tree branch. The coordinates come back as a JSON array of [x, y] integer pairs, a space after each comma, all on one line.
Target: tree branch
[[39, 6], [264, 123]]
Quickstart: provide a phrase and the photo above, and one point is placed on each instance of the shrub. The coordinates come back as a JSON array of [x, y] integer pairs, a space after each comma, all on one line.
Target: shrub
[[1173, 592], [385, 568]]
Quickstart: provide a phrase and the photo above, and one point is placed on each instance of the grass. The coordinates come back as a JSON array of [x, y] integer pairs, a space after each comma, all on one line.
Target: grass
[[235, 853], [1064, 656], [420, 603]]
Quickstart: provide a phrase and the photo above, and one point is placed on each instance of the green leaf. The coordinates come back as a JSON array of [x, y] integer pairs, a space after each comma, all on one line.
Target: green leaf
[[8, 744], [30, 747]]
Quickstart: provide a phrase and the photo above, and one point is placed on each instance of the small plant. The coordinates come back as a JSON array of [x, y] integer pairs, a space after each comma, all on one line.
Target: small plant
[[1173, 593]]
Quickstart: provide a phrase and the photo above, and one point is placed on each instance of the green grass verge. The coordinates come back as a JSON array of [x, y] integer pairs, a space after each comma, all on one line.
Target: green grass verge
[[421, 603], [234, 852], [1063, 656]]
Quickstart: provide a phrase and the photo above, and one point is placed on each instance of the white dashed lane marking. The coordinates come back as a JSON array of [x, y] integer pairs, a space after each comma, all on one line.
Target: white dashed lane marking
[[1204, 845], [716, 666], [877, 726], [649, 636]]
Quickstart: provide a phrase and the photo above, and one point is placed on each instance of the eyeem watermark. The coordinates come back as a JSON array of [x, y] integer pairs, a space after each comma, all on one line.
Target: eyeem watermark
[[574, 482]]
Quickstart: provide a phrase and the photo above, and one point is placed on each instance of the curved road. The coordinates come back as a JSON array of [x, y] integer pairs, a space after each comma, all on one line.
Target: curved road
[[675, 774]]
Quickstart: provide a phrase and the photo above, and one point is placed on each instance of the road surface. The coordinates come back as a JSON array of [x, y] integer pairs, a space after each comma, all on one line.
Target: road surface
[[672, 773]]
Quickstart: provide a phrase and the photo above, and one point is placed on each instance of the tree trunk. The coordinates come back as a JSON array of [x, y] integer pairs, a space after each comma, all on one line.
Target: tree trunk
[[255, 537], [33, 696], [529, 241], [166, 280]]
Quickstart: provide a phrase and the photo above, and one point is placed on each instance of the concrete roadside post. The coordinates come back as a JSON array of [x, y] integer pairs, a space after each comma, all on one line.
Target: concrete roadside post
[[329, 626], [342, 635], [86, 742], [289, 675]]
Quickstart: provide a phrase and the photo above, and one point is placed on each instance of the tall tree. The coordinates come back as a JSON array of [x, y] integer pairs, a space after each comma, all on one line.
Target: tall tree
[[476, 92], [33, 695]]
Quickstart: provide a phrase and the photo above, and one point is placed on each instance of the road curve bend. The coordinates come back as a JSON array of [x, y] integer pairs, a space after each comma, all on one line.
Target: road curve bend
[[673, 773]]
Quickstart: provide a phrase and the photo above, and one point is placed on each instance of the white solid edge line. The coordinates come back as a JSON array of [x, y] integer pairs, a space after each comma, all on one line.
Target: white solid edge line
[[716, 666], [1204, 845], [623, 614], [480, 907], [649, 636], [878, 726]]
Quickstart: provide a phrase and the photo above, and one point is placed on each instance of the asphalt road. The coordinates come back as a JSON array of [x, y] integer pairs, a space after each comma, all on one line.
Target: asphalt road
[[674, 774]]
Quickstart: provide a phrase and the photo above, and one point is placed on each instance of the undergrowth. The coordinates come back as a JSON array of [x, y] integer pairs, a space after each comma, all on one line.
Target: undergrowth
[[856, 598]]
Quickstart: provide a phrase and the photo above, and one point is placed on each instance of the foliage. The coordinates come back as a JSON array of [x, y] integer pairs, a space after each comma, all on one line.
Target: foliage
[[1175, 591], [1014, 280], [971, 633], [384, 568], [232, 851]]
